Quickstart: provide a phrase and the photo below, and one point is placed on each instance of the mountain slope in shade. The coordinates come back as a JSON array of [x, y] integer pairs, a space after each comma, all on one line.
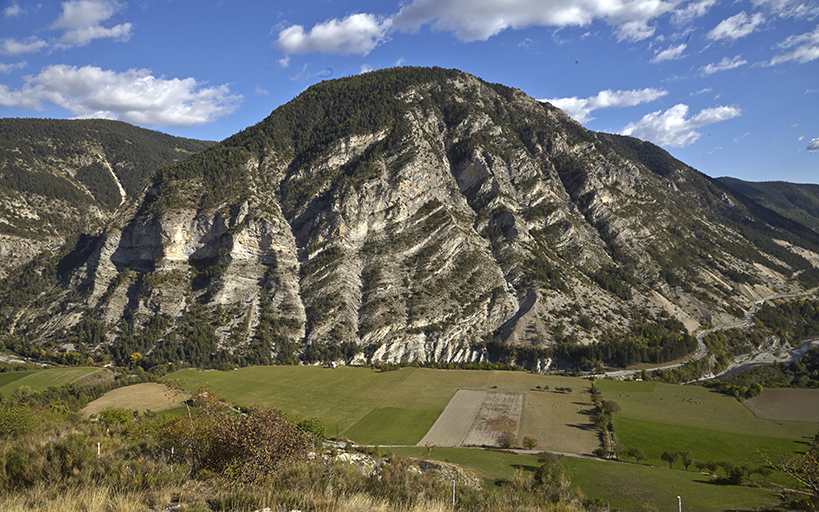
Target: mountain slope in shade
[[416, 214], [796, 201]]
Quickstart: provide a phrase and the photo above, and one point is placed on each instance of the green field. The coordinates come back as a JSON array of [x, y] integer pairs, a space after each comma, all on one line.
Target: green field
[[39, 380], [622, 485], [629, 487], [374, 407], [659, 417]]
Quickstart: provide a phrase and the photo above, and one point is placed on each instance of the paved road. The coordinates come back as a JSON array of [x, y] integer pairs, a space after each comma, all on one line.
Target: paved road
[[703, 350]]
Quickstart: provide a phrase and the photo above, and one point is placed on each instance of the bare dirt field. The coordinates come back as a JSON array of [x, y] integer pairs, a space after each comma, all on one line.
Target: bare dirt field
[[142, 397], [453, 424], [786, 404], [499, 414]]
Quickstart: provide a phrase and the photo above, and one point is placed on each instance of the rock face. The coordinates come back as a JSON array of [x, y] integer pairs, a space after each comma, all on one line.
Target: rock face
[[61, 178], [412, 215]]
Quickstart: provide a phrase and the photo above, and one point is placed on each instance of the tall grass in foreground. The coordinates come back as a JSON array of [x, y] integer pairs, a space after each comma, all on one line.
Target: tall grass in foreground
[[313, 486]]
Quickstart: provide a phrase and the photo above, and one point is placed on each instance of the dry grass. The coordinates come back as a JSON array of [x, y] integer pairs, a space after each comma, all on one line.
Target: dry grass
[[786, 404], [142, 397]]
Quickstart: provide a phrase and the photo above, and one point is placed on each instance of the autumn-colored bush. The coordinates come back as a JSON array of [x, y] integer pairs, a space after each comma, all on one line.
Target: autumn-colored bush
[[218, 437]]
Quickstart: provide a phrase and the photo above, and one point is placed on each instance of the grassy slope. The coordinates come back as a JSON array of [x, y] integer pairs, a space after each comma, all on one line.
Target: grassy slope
[[629, 487], [42, 379], [622, 485], [711, 426]]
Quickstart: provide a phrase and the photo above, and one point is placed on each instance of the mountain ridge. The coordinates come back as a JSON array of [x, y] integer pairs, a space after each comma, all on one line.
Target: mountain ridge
[[60, 178], [420, 214]]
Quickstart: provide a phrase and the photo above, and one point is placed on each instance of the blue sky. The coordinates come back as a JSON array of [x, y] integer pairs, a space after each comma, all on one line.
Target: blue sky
[[729, 87]]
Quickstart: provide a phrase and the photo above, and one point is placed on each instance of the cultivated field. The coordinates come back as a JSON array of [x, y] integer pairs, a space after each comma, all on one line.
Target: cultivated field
[[399, 407], [453, 424], [39, 380], [786, 404], [148, 396], [499, 414], [663, 417]]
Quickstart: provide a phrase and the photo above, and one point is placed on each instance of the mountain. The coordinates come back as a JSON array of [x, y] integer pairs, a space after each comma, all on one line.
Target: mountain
[[799, 202], [60, 178], [412, 214]]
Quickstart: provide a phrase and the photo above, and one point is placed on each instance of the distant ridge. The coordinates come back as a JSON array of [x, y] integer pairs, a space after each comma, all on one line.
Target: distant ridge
[[799, 202]]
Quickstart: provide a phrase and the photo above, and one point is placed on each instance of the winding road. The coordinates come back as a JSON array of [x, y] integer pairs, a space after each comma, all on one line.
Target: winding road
[[703, 350]]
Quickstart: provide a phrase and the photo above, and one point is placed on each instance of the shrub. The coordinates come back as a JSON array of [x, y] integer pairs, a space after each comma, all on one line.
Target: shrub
[[506, 440]]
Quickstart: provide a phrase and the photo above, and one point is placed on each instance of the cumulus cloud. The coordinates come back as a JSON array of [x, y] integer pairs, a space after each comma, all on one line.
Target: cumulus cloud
[[805, 48], [672, 53], [736, 27], [580, 109], [813, 145], [472, 20], [723, 65], [134, 96], [355, 34], [81, 20], [673, 128], [14, 47]]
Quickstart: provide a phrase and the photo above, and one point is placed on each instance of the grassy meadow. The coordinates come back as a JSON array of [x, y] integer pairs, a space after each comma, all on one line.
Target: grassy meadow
[[658, 417], [39, 380], [399, 407]]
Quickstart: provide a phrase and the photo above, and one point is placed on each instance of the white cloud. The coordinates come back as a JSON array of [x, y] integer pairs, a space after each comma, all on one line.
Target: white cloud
[[580, 109], [672, 53], [806, 48], [135, 96], [478, 20], [790, 8], [14, 47], [81, 21], [813, 145], [355, 34], [673, 129], [736, 27], [83, 36], [691, 12], [7, 68], [365, 68], [12, 10], [260, 92], [723, 65]]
